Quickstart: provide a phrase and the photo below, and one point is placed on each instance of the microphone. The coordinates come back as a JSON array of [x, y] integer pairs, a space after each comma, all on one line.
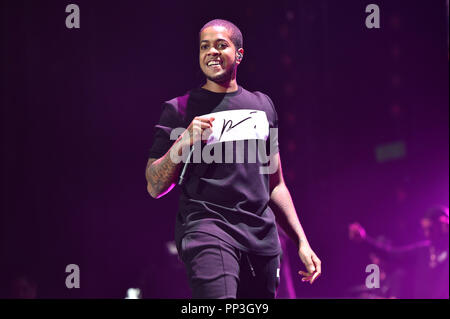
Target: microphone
[[183, 172]]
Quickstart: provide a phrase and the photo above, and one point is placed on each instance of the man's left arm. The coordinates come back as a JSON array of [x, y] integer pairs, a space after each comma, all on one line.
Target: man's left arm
[[286, 216]]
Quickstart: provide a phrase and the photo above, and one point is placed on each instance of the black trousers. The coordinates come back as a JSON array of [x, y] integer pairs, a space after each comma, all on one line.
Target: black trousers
[[217, 270]]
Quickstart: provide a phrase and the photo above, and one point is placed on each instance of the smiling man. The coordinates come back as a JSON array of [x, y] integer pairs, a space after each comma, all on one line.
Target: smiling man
[[226, 226]]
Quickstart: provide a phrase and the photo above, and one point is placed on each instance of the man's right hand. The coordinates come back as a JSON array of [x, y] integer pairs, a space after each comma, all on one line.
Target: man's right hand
[[356, 232], [162, 173], [198, 130]]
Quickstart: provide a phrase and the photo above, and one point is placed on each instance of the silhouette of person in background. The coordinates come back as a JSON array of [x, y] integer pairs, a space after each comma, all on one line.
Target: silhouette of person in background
[[423, 264], [22, 287]]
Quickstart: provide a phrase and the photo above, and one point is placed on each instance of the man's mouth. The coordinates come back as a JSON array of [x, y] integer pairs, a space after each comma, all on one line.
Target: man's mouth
[[214, 63]]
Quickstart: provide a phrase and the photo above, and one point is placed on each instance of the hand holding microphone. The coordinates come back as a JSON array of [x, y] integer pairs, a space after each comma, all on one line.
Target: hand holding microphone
[[198, 130]]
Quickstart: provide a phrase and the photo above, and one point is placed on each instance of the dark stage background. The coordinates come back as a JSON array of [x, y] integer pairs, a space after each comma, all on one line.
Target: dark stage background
[[363, 131]]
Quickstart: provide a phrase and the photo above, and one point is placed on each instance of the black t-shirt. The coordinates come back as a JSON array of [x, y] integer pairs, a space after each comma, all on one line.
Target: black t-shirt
[[227, 200]]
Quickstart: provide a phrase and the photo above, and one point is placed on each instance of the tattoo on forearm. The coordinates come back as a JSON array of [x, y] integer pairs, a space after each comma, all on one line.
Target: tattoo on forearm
[[161, 173]]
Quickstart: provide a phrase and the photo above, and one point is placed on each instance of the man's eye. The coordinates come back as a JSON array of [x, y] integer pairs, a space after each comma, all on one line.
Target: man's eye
[[203, 47], [222, 45]]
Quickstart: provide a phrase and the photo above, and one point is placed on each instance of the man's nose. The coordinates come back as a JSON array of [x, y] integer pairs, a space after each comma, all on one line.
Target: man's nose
[[213, 51]]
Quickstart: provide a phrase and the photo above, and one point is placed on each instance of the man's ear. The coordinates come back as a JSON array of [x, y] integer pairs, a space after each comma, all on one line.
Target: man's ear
[[239, 55]]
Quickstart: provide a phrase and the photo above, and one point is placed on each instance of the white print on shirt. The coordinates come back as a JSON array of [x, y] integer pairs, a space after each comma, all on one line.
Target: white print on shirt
[[230, 127], [238, 125]]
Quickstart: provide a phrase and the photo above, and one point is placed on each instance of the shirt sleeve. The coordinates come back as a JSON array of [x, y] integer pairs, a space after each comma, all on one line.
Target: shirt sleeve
[[169, 120], [273, 146]]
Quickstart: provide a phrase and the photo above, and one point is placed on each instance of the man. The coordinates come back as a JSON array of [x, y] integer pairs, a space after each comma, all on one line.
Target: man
[[225, 231]]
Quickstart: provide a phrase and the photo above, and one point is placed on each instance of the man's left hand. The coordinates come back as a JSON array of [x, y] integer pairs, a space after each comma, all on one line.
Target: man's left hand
[[311, 262]]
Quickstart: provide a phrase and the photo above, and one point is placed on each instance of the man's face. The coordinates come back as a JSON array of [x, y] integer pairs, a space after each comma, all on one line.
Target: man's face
[[217, 54], [434, 230], [426, 227]]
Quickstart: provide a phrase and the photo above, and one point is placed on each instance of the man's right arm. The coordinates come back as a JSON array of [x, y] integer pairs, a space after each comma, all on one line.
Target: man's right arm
[[162, 173]]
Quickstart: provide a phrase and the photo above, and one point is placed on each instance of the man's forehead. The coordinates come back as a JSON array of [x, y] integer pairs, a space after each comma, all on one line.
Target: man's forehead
[[214, 33]]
